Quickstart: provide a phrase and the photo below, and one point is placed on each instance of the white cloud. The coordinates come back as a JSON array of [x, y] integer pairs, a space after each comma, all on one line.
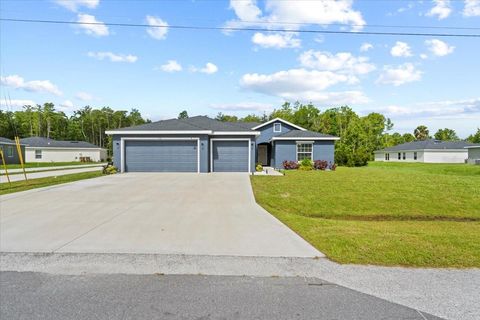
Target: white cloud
[[66, 105], [343, 62], [17, 82], [423, 56], [113, 57], [92, 26], [16, 103], [401, 49], [277, 40], [331, 98], [73, 5], [171, 66], [157, 32], [84, 96], [439, 48], [209, 68], [434, 109], [243, 106], [366, 46], [399, 75], [472, 8], [303, 11], [441, 10]]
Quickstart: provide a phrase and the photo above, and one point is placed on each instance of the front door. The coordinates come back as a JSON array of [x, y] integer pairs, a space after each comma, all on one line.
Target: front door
[[263, 154]]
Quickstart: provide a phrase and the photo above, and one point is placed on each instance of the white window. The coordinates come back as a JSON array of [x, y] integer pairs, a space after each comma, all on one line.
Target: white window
[[277, 127], [38, 153], [304, 150], [10, 151]]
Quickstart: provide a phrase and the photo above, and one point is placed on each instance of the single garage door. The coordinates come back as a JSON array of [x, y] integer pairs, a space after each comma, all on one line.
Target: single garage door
[[230, 156], [161, 156]]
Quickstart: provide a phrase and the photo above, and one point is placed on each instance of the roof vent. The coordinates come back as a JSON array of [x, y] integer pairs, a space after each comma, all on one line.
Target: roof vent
[[437, 141]]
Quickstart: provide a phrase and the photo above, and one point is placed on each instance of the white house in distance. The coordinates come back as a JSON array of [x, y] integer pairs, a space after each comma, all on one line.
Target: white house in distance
[[473, 154], [40, 149], [431, 151]]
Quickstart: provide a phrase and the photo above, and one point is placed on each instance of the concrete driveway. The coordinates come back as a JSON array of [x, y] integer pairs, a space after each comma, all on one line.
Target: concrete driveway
[[200, 214]]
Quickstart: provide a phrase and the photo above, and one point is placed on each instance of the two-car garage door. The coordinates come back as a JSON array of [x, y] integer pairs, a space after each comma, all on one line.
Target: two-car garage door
[[151, 155], [161, 156]]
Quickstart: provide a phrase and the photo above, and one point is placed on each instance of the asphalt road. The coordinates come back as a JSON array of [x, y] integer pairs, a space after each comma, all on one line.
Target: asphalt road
[[46, 296]]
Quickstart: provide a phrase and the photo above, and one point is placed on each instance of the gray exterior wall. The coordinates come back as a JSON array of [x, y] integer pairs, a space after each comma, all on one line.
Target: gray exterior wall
[[204, 148], [15, 159], [266, 133], [473, 154], [287, 150]]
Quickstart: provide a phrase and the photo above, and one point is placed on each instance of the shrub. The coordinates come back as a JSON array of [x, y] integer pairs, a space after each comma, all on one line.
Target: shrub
[[332, 166], [320, 164], [306, 164], [109, 169], [259, 167], [290, 165]]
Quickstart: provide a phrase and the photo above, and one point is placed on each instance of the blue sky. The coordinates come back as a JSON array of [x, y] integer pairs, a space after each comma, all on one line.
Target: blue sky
[[162, 71]]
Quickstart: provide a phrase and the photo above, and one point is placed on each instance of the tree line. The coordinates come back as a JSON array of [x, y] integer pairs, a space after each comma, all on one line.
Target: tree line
[[85, 124], [359, 135]]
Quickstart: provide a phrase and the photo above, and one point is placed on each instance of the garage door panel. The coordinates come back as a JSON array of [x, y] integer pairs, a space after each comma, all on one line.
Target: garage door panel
[[161, 156], [230, 156]]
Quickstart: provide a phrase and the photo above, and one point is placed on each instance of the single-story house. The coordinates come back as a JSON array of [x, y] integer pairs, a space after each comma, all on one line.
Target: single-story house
[[10, 151], [40, 149], [202, 144], [473, 154], [431, 151]]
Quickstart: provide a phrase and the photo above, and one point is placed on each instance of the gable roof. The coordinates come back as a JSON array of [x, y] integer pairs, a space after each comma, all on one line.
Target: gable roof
[[7, 141], [280, 120], [430, 144], [41, 142], [304, 134], [198, 124]]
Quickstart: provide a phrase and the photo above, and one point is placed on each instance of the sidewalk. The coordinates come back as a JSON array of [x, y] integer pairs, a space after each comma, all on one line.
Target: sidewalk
[[36, 175], [11, 171]]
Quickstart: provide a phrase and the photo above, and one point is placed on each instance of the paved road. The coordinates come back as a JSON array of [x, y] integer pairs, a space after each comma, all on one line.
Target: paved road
[[43, 174], [167, 213], [43, 296]]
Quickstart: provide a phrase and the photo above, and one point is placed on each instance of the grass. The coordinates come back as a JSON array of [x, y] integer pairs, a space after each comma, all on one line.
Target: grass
[[18, 186], [418, 215], [46, 164]]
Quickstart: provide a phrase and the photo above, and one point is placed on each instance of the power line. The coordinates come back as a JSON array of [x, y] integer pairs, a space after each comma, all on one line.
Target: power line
[[256, 29]]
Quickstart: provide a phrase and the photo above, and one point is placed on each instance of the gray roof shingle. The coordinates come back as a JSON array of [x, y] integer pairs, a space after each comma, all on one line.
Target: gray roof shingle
[[8, 141], [304, 134], [430, 144], [44, 142], [191, 124]]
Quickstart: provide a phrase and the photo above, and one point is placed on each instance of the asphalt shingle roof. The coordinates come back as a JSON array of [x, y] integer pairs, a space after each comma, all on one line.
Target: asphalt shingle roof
[[192, 124], [44, 142], [304, 134], [430, 144], [6, 140]]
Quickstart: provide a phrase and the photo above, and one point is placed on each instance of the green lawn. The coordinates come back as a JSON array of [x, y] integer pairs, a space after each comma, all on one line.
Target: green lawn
[[45, 164], [386, 213], [18, 186]]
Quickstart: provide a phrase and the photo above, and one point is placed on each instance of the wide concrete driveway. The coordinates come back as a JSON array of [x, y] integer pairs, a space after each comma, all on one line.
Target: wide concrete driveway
[[204, 214]]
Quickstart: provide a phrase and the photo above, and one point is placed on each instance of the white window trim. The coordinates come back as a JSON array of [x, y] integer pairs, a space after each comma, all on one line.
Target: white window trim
[[303, 142], [249, 141], [281, 120], [41, 153], [10, 155], [122, 148], [279, 124]]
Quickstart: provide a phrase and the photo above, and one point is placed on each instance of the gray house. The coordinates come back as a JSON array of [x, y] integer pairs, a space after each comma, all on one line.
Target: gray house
[[10, 151], [202, 144], [473, 154]]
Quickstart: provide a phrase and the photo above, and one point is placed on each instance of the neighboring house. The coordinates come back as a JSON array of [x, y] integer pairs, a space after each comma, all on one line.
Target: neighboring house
[[432, 151], [473, 154], [39, 149], [202, 144], [10, 151]]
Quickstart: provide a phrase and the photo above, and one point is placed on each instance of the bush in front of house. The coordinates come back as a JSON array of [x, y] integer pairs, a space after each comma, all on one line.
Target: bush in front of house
[[259, 167], [109, 169], [306, 165], [320, 164], [290, 165]]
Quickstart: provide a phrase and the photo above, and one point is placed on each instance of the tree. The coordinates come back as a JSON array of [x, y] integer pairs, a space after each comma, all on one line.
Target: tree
[[474, 138], [421, 133], [251, 118], [408, 137], [226, 118], [446, 135], [183, 115]]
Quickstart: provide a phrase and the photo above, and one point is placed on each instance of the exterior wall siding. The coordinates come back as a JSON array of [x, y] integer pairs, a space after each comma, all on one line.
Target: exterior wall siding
[[65, 155], [14, 159], [266, 133], [287, 150], [446, 156], [380, 156], [473, 154]]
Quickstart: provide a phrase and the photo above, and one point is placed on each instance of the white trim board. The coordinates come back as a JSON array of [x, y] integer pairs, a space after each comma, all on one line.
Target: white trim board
[[127, 132], [235, 133], [281, 120], [122, 148], [249, 141], [305, 138]]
